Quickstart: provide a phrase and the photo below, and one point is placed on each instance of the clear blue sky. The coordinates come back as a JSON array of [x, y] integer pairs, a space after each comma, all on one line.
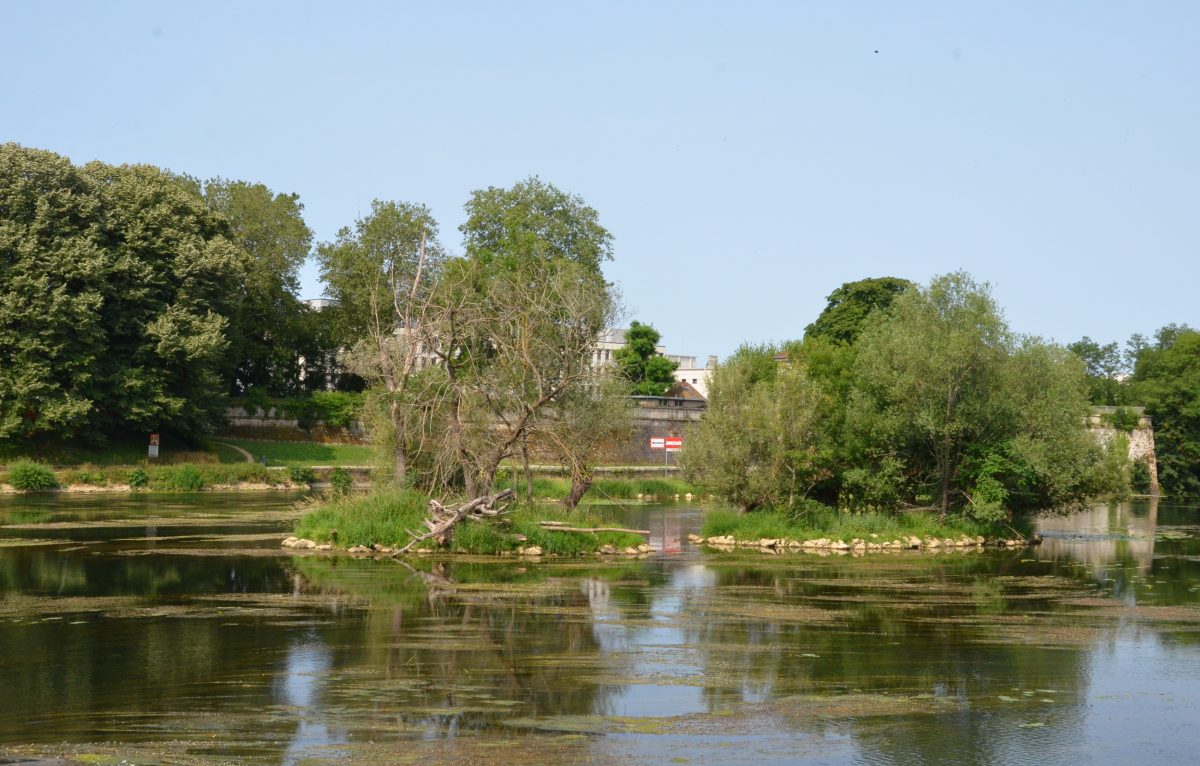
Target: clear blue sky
[[748, 157]]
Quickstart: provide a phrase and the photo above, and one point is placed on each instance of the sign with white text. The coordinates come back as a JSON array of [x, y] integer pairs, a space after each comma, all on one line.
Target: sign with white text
[[674, 443]]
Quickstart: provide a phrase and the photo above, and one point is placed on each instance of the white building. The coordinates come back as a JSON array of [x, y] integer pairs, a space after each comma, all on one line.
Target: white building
[[688, 370]]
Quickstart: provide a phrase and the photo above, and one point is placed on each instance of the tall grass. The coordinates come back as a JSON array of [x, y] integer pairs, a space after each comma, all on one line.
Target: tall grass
[[386, 516], [382, 517]]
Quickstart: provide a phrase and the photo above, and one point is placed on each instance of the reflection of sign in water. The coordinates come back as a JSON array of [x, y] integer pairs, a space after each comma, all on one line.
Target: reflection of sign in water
[[153, 445]]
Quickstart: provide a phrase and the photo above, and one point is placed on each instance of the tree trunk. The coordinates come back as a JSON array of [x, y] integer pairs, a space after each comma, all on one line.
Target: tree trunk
[[528, 473], [401, 464], [944, 459], [581, 481]]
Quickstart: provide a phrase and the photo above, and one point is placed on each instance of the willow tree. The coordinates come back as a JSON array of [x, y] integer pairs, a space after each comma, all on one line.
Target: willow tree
[[758, 444], [513, 323], [963, 412], [511, 344]]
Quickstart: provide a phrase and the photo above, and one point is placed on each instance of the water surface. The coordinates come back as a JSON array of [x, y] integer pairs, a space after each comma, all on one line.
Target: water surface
[[154, 629]]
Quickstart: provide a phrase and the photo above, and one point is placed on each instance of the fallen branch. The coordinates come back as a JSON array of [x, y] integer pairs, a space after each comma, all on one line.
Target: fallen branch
[[557, 526], [442, 518]]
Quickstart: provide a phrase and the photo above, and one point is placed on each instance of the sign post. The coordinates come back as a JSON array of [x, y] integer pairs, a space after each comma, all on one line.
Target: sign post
[[672, 444], [153, 445], [667, 444]]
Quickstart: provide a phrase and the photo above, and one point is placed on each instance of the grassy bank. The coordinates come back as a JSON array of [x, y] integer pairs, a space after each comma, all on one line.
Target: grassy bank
[[121, 451], [298, 453], [835, 525], [185, 477], [384, 517], [557, 488]]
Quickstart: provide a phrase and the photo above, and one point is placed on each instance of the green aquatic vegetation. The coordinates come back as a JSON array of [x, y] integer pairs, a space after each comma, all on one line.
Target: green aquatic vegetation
[[838, 525]]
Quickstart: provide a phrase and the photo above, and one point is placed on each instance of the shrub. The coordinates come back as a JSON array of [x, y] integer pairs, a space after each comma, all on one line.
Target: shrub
[[1140, 477], [300, 474], [137, 478], [1122, 419], [340, 479], [29, 476]]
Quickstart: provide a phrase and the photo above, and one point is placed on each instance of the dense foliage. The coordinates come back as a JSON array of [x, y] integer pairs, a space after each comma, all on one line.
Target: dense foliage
[[114, 299], [648, 373], [1166, 380], [935, 405], [850, 306]]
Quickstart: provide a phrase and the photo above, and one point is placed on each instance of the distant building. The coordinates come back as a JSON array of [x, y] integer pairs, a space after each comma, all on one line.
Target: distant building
[[688, 370]]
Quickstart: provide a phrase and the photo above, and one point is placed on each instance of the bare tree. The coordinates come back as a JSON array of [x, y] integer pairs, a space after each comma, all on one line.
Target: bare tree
[[512, 343]]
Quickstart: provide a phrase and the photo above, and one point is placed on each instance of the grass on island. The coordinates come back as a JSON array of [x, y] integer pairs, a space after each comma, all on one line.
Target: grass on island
[[829, 523], [556, 488], [386, 516], [298, 453]]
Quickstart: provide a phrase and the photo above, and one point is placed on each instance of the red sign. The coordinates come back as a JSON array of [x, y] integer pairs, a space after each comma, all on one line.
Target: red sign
[[674, 443]]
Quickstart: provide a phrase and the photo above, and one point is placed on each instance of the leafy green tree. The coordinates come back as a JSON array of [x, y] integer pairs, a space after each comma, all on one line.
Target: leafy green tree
[[639, 362], [168, 306], [534, 220], [270, 332], [1167, 380], [514, 322], [759, 443], [53, 265], [114, 299], [379, 275], [1105, 366], [584, 421], [850, 306], [946, 395]]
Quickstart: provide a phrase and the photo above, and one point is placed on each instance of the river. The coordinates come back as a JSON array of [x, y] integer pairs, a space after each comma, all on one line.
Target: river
[[162, 629]]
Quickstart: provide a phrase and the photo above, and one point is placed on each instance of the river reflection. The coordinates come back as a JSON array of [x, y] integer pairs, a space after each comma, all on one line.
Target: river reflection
[[203, 642]]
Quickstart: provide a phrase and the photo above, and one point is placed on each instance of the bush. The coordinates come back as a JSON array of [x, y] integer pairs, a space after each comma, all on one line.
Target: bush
[[29, 476], [1122, 419], [137, 478], [300, 474], [1140, 477], [340, 479]]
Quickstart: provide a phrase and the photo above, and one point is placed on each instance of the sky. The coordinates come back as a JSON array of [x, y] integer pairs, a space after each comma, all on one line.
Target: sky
[[747, 157]]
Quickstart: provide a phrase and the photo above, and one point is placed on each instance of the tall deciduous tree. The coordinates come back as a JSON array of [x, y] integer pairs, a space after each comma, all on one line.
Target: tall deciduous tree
[[270, 331], [1167, 380], [114, 299], [517, 319], [759, 441], [1105, 366], [945, 393], [379, 275], [851, 305], [648, 373]]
